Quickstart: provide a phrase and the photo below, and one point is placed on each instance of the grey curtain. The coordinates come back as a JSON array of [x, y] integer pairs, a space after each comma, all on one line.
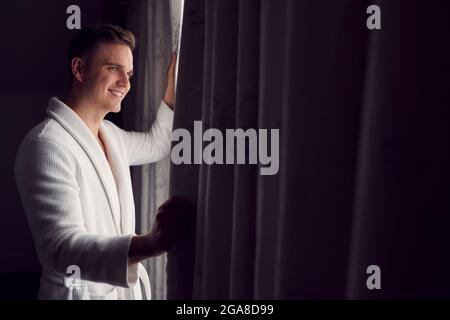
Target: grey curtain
[[364, 173], [156, 24]]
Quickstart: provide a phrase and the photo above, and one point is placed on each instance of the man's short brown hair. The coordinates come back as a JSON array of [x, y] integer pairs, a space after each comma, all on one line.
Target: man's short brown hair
[[84, 43]]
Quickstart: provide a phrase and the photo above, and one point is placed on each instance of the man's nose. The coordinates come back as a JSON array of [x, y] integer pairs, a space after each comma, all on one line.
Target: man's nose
[[123, 80]]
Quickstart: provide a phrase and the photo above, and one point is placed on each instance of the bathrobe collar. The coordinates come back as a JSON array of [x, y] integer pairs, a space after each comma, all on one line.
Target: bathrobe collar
[[76, 127], [120, 170]]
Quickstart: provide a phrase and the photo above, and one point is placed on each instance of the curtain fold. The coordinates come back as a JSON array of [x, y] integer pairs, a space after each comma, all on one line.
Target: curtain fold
[[244, 196], [180, 262], [364, 171], [324, 73], [156, 24]]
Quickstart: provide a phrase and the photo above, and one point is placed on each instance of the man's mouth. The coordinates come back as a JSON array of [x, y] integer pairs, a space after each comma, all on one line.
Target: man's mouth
[[116, 93]]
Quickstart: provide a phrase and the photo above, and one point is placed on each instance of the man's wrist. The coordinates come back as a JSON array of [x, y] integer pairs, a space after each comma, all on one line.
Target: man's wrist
[[168, 103], [139, 249]]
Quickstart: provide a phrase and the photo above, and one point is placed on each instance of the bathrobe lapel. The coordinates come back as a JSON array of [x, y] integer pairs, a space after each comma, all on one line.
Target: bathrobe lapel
[[120, 170], [72, 123]]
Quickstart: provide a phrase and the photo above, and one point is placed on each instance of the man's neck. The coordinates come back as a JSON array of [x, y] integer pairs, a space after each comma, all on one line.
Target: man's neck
[[90, 115]]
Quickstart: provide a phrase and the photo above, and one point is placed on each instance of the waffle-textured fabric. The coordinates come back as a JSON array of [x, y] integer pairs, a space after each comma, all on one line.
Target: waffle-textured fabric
[[79, 202]]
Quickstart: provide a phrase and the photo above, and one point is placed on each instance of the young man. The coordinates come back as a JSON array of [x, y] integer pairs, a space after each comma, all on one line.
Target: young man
[[72, 172]]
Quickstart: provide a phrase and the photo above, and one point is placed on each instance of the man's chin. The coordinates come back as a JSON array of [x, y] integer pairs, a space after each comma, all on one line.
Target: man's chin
[[116, 108]]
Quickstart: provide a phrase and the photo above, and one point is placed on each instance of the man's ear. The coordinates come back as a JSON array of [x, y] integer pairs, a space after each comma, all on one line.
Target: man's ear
[[77, 66]]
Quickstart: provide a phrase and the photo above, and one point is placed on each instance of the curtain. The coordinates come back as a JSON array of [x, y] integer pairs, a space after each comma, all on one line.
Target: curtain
[[364, 173], [156, 24]]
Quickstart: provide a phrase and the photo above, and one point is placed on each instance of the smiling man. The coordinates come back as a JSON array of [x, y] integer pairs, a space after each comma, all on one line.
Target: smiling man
[[72, 173]]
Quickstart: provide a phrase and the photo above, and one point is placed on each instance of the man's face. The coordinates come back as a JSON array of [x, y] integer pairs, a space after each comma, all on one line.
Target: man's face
[[106, 78]]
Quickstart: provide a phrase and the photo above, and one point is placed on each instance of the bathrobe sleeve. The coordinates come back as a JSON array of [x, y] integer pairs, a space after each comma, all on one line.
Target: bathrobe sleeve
[[46, 179], [150, 146]]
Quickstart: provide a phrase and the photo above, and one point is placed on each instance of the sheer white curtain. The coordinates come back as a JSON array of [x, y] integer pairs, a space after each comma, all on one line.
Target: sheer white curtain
[[156, 24]]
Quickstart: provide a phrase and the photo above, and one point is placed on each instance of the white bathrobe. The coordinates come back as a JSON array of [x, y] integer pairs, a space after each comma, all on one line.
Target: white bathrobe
[[79, 203]]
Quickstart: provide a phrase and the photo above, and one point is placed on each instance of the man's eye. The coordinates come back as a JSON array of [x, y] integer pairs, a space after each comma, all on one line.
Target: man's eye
[[115, 69]]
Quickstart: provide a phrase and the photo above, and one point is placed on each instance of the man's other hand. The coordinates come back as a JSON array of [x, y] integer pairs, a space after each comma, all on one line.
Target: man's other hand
[[174, 222]]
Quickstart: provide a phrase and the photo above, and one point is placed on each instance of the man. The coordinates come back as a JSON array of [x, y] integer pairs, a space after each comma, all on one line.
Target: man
[[72, 172]]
